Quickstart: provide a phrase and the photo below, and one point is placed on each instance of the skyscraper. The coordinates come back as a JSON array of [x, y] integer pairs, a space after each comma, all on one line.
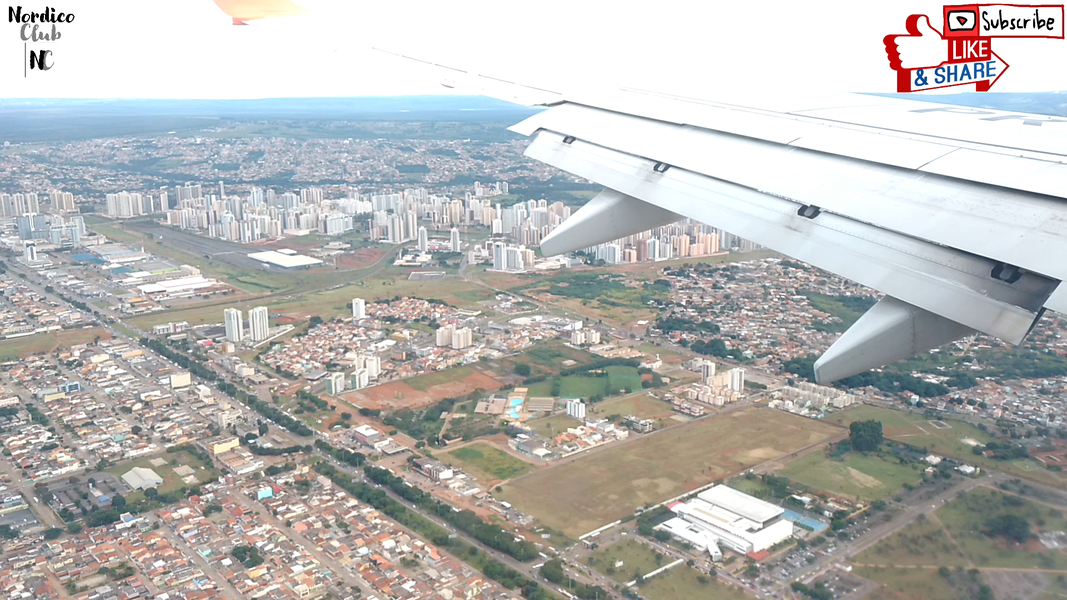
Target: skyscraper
[[359, 308], [455, 240], [737, 380], [707, 372], [424, 240], [235, 328], [259, 323]]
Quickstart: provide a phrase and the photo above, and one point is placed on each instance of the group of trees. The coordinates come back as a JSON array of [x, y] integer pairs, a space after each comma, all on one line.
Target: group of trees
[[1009, 526], [270, 412], [553, 571], [180, 359], [669, 324], [248, 556], [713, 347], [464, 520], [865, 436], [342, 454]]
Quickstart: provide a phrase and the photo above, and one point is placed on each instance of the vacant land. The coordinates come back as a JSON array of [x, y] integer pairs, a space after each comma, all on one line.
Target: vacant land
[[922, 542], [548, 358], [171, 480], [640, 404], [550, 427], [425, 382], [487, 463], [899, 584], [636, 558], [684, 583], [15, 349], [860, 476], [916, 430], [966, 517], [580, 495]]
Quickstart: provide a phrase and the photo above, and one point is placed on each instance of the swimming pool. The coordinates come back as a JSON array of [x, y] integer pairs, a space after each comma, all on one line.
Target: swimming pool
[[815, 524]]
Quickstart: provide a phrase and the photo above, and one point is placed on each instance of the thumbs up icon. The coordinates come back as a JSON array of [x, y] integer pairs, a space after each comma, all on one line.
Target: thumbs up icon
[[922, 47]]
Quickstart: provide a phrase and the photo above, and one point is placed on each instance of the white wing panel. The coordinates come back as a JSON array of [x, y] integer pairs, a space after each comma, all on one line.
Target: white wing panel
[[941, 280], [1018, 228], [885, 149], [1038, 176]]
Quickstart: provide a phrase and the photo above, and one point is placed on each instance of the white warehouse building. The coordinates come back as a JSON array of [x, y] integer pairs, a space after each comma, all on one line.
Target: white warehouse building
[[723, 516]]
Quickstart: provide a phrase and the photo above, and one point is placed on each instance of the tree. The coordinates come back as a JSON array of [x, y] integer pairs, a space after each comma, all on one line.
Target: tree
[[53, 533], [522, 369], [151, 493], [75, 528], [136, 429], [1012, 527], [118, 502], [865, 436]]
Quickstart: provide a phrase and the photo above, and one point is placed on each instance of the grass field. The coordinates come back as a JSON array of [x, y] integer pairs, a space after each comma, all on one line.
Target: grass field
[[171, 481], [636, 557], [544, 359], [585, 386], [550, 427], [915, 429], [595, 489], [921, 543], [487, 463], [640, 404], [48, 342], [965, 518], [325, 303], [752, 487], [684, 583], [900, 584], [425, 382], [869, 477]]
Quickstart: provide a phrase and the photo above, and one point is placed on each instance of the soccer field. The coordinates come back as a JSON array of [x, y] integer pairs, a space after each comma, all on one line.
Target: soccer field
[[581, 495]]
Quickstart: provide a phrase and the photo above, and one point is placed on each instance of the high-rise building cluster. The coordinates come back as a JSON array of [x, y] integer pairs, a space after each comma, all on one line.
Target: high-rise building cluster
[[258, 324], [677, 240], [510, 258], [264, 214], [55, 229], [455, 338]]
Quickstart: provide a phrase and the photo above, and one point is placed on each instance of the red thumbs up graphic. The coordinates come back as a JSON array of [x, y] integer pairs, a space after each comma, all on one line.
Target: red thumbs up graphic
[[922, 47]]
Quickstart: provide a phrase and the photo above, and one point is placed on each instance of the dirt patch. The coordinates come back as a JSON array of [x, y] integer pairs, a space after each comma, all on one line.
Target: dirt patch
[[390, 396], [359, 259], [468, 385], [862, 479]]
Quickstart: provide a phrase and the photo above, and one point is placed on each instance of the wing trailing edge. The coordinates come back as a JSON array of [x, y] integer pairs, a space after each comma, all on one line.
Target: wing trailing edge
[[891, 330], [609, 216]]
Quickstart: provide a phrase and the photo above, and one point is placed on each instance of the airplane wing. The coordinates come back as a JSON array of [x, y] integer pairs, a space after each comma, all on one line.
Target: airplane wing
[[958, 215]]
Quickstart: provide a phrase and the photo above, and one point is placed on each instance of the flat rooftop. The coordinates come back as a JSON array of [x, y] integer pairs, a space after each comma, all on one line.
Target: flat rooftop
[[741, 504], [287, 261]]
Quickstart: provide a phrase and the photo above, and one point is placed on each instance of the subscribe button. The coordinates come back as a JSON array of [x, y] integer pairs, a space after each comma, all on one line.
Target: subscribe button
[[1004, 20]]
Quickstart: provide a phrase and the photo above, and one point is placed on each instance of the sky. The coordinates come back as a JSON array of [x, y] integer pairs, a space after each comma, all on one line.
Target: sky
[[190, 49]]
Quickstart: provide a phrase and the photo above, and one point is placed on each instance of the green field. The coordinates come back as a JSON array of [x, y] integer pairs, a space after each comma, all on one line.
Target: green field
[[901, 584], [425, 382], [585, 386], [752, 487], [487, 463], [548, 358], [684, 583], [171, 481], [922, 542], [640, 404], [916, 430], [965, 518], [595, 489], [47, 342], [859, 476], [637, 559]]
